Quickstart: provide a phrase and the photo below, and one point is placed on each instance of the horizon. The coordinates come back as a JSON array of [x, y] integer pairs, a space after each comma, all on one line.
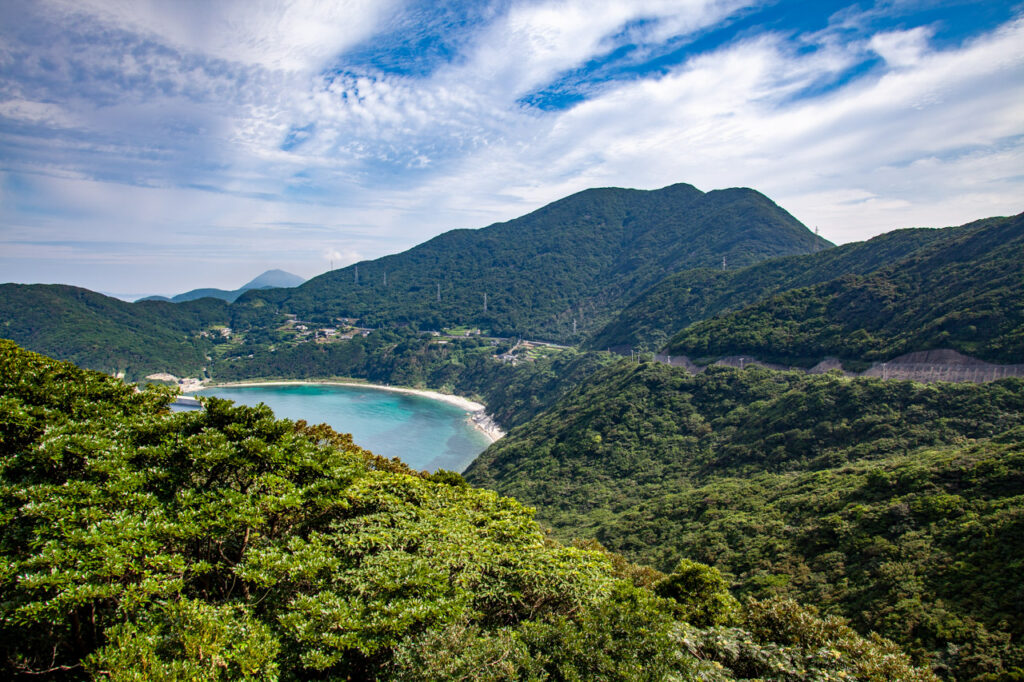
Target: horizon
[[154, 149]]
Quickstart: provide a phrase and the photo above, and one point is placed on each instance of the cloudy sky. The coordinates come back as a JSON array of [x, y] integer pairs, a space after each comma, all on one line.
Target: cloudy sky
[[149, 146]]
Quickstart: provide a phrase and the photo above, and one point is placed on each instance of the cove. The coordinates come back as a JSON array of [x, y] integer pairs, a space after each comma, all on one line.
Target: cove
[[424, 433]]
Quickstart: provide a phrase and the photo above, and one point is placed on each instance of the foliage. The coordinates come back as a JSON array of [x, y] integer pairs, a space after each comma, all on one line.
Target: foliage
[[208, 540], [701, 593], [580, 258], [693, 295], [225, 544], [896, 504], [626, 637], [107, 334], [786, 641], [964, 291], [189, 639]]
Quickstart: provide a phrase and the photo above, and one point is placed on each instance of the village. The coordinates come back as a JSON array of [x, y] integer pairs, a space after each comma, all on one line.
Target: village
[[229, 343]]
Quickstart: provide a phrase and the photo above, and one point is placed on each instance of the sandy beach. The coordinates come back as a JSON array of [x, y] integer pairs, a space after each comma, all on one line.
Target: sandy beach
[[478, 415]]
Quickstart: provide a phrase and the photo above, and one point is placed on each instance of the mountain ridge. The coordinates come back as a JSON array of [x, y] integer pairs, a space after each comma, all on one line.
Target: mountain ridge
[[691, 296], [567, 264], [963, 291], [271, 279]]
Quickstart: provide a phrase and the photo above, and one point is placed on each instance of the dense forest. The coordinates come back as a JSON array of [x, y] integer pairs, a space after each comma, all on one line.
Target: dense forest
[[578, 259], [224, 543], [103, 333], [555, 274], [964, 291], [698, 294], [899, 505], [140, 544], [608, 268]]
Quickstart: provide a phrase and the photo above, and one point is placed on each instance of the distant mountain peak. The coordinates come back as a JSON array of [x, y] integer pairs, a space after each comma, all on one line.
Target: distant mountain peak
[[274, 278], [271, 279]]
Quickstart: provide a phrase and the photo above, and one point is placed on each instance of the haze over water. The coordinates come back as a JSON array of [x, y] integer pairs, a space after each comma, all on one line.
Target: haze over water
[[424, 433]]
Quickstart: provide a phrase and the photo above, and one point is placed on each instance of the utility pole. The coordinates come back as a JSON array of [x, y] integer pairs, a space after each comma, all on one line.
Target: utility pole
[[723, 262], [574, 325], [385, 279], [438, 292], [485, 301], [357, 275]]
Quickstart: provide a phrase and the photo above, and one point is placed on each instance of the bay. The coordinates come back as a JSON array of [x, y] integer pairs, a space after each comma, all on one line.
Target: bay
[[424, 433]]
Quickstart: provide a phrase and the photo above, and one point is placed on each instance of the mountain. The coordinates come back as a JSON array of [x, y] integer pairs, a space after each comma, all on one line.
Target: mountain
[[108, 334], [695, 295], [569, 265], [963, 290], [271, 279], [899, 505], [276, 279]]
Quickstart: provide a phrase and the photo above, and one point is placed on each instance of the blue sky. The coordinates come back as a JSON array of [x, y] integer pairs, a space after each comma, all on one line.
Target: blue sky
[[153, 147]]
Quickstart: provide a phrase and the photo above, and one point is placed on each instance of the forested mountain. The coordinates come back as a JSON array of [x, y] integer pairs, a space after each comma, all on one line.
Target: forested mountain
[[578, 259], [963, 290], [570, 264], [899, 505], [694, 295], [271, 279], [103, 333], [223, 544]]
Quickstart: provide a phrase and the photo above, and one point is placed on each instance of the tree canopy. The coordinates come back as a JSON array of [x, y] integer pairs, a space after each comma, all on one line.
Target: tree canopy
[[140, 544]]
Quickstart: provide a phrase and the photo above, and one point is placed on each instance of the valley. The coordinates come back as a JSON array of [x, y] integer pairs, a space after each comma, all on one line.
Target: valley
[[835, 430]]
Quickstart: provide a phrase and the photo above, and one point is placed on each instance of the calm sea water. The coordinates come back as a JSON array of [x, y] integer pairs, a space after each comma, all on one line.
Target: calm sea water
[[423, 433]]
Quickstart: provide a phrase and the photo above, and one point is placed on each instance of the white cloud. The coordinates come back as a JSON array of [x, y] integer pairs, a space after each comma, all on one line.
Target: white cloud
[[43, 113], [535, 42], [901, 48], [294, 35], [908, 139], [380, 162]]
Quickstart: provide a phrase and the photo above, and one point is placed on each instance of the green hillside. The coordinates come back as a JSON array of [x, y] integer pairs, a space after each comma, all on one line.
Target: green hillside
[[964, 291], [581, 258], [107, 334], [895, 504], [694, 295], [223, 544], [576, 261]]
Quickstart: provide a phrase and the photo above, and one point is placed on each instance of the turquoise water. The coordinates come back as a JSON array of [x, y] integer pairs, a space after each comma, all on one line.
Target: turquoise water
[[423, 433]]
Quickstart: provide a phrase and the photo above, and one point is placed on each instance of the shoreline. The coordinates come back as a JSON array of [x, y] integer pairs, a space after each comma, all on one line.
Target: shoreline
[[476, 412]]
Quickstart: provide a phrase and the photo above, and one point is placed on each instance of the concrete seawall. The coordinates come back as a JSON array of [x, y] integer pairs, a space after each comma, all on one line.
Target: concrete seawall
[[925, 366]]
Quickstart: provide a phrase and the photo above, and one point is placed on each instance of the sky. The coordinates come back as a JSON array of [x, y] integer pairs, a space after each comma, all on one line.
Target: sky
[[152, 147]]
